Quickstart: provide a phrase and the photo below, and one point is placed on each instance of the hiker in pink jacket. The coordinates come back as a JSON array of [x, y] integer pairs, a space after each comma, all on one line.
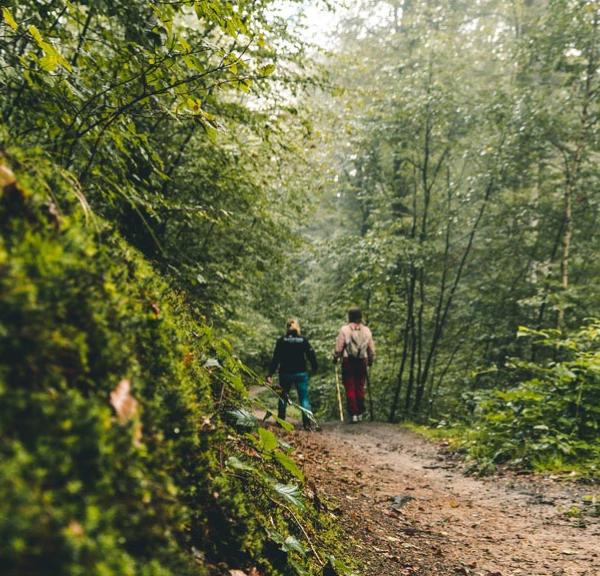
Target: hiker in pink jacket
[[354, 345]]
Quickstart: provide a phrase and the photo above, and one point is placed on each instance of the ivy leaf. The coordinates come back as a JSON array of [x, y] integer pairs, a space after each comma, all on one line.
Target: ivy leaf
[[235, 463], [292, 544], [290, 493], [243, 420], [288, 544]]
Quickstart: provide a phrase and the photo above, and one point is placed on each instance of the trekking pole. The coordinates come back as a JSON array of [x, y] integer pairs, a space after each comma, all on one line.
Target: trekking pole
[[339, 394], [370, 396]]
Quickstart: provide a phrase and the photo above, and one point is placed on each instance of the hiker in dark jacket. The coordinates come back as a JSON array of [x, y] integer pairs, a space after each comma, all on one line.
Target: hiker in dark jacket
[[290, 355], [354, 345]]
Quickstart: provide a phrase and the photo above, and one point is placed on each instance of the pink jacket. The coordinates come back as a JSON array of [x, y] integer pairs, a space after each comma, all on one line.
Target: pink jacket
[[344, 335]]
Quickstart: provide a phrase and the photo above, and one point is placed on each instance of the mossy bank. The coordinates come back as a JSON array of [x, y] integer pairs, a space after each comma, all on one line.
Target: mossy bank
[[119, 452]]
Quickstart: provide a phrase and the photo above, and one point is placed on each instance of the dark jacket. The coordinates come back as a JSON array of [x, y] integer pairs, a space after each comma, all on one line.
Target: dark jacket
[[290, 354]]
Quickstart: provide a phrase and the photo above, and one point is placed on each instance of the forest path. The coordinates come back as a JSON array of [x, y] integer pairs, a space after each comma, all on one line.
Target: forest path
[[442, 521]]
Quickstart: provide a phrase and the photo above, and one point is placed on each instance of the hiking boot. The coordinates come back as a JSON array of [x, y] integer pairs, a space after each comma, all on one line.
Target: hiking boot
[[360, 417], [354, 419]]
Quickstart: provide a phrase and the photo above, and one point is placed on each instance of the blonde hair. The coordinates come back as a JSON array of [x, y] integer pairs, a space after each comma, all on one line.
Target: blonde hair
[[293, 326]]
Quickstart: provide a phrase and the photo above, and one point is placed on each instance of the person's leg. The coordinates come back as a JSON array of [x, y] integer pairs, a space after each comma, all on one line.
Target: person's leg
[[348, 378], [302, 380], [360, 379], [285, 382]]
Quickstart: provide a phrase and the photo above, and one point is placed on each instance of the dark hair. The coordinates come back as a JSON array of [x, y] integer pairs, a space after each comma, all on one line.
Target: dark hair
[[355, 315]]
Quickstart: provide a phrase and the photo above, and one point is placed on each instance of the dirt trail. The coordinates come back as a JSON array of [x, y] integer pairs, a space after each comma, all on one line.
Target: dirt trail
[[441, 521]]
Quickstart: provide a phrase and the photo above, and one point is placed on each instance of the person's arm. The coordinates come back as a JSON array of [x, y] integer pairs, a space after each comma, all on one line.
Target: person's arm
[[340, 342], [275, 360], [312, 357]]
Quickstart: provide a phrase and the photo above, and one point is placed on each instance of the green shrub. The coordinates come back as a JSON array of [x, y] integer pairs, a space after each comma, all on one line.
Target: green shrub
[[551, 418]]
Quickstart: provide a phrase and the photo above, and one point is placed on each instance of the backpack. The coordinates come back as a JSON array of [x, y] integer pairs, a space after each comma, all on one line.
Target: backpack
[[357, 343]]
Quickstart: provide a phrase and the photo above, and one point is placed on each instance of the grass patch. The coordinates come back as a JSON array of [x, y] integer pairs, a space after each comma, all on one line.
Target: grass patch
[[453, 435]]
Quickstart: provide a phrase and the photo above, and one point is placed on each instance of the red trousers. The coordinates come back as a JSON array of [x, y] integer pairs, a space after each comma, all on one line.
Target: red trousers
[[354, 374]]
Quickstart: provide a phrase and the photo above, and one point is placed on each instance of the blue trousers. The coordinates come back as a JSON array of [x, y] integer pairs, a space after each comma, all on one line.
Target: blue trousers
[[300, 381]]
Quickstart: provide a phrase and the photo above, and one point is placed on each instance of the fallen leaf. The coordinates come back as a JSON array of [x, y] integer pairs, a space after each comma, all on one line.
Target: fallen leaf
[[123, 402], [207, 424], [7, 176], [75, 529], [126, 408]]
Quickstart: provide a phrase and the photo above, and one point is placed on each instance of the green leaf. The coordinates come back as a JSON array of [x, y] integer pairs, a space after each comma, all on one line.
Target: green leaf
[[8, 18], [285, 425], [245, 84], [288, 544], [211, 132], [52, 58], [243, 419], [289, 465], [36, 35], [268, 440], [290, 493], [267, 70], [291, 544], [235, 463]]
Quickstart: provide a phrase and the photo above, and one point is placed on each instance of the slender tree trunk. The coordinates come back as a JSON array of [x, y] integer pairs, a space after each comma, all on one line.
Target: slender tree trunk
[[444, 311], [408, 332], [421, 272], [411, 371], [446, 265], [438, 383], [553, 254], [566, 248], [83, 34], [399, 379], [573, 169]]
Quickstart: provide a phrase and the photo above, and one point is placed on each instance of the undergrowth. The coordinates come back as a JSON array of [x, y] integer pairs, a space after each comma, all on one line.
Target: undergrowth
[[546, 418]]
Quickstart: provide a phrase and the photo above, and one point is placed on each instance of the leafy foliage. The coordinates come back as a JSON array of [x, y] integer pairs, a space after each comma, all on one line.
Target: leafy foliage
[[168, 116], [550, 417]]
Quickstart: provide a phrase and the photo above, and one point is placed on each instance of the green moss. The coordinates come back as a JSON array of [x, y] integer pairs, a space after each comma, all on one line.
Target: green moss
[[83, 489]]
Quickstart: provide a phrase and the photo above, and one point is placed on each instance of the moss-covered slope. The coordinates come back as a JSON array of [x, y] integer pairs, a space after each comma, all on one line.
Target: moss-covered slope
[[116, 455]]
